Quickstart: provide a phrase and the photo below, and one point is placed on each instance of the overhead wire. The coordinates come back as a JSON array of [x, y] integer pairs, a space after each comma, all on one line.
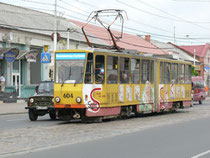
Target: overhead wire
[[85, 15], [165, 12], [160, 16]]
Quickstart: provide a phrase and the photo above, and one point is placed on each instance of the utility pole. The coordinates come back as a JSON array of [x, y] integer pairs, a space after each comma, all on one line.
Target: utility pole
[[55, 27], [194, 56], [68, 36], [54, 41]]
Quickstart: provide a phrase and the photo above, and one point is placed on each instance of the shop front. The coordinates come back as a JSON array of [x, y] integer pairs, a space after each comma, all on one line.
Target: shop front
[[22, 70]]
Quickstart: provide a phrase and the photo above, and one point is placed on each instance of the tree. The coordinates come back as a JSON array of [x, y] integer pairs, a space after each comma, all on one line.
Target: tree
[[194, 72]]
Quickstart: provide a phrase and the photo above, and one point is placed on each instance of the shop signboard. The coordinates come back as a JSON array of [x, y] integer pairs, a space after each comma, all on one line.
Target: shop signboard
[[197, 67], [30, 57], [10, 56]]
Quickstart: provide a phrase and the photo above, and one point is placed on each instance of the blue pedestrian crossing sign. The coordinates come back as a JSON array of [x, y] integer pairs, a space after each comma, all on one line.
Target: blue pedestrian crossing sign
[[45, 58]]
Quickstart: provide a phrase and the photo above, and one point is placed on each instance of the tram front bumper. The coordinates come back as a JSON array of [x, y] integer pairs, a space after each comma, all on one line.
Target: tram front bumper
[[67, 106]]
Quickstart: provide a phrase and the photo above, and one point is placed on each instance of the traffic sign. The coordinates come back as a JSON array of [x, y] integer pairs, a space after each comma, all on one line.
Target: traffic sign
[[45, 58]]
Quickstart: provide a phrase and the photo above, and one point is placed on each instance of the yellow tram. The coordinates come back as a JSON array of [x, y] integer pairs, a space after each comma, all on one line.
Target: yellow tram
[[101, 83]]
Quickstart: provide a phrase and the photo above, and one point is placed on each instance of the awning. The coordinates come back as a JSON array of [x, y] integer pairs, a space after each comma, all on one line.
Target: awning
[[3, 51], [26, 53]]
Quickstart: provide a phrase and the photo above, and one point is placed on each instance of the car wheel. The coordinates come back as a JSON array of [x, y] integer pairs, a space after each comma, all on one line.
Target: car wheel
[[52, 115], [32, 115], [201, 101]]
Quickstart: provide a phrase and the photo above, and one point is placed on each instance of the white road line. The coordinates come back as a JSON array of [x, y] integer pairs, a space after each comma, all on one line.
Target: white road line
[[201, 154], [15, 120]]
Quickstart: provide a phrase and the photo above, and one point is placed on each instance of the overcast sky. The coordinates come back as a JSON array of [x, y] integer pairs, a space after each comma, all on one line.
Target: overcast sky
[[189, 18]]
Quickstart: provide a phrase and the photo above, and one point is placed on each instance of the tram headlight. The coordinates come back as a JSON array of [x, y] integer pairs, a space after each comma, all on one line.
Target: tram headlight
[[31, 100], [57, 99], [53, 100], [78, 100]]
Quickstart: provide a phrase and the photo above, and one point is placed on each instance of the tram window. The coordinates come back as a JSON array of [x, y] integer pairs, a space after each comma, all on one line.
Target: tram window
[[161, 72], [99, 69], [145, 71], [135, 71], [188, 72], [174, 73], [167, 70], [112, 70], [89, 69], [124, 70], [152, 72], [181, 73]]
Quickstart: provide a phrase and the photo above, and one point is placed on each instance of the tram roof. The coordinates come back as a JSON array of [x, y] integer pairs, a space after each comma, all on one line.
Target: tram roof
[[136, 53]]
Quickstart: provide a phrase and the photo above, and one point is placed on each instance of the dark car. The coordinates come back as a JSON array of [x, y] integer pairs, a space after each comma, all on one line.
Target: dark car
[[42, 102]]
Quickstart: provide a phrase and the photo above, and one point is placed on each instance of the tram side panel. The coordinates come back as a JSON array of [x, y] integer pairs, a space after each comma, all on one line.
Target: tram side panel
[[174, 86]]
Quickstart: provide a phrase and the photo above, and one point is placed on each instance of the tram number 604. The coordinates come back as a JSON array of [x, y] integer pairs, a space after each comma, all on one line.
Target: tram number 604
[[67, 95]]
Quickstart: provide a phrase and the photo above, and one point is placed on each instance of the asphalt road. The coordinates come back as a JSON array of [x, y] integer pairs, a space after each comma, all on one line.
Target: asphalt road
[[184, 139], [17, 121]]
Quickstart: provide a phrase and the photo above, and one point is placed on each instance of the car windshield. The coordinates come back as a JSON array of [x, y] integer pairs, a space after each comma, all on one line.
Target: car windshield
[[46, 87], [69, 67]]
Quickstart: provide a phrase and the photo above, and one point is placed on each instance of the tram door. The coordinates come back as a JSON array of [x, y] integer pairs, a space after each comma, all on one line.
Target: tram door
[[16, 82]]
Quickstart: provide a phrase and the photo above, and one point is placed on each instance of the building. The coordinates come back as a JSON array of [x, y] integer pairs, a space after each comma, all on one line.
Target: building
[[23, 34], [176, 52], [128, 41], [203, 54]]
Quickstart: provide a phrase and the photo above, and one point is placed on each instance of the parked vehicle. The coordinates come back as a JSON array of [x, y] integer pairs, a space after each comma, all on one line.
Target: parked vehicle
[[42, 102], [198, 89]]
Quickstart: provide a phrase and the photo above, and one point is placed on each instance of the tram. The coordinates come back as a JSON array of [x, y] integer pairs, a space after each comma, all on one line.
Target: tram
[[96, 84]]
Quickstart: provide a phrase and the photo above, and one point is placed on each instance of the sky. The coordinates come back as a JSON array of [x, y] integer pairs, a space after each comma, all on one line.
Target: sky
[[186, 20]]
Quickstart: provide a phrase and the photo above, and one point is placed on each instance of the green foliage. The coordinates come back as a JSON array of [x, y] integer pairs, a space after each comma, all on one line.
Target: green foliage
[[194, 72]]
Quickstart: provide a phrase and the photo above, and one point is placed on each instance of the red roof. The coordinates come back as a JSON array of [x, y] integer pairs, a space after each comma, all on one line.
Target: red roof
[[201, 50], [128, 41]]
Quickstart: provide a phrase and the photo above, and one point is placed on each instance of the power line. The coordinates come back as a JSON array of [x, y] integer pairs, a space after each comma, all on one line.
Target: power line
[[167, 12], [162, 16], [71, 5], [197, 1], [38, 2]]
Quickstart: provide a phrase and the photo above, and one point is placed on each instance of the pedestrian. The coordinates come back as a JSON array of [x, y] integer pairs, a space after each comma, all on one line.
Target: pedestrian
[[2, 79]]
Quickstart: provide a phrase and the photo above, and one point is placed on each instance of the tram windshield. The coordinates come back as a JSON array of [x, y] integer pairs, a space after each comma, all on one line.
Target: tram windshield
[[69, 67]]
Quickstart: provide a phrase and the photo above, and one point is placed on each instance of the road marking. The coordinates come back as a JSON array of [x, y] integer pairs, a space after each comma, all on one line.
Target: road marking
[[15, 120], [201, 154]]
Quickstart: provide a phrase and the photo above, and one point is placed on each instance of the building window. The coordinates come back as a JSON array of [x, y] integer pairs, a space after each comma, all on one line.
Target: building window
[[35, 70], [16, 66]]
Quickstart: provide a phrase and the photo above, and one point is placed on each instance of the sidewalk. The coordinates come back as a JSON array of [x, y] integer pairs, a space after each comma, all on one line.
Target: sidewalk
[[13, 108]]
